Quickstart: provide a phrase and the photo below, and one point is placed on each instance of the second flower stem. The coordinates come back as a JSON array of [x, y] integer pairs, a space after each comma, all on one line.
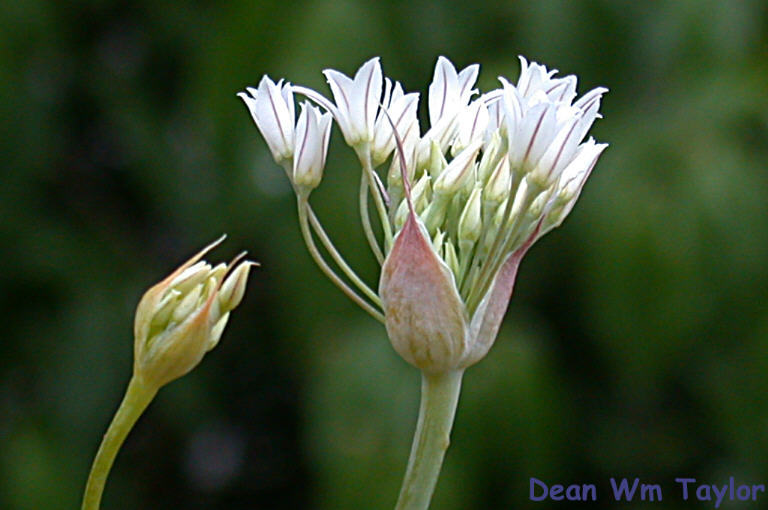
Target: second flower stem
[[137, 398], [439, 398]]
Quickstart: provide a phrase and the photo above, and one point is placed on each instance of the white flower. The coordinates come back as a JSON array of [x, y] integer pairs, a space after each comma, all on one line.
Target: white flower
[[543, 127], [449, 91], [272, 109], [571, 182], [519, 165], [357, 101], [401, 109], [449, 94], [312, 135], [535, 78], [472, 125]]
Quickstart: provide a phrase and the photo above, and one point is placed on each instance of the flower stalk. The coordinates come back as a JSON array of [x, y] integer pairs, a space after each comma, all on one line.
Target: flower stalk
[[439, 399], [137, 397]]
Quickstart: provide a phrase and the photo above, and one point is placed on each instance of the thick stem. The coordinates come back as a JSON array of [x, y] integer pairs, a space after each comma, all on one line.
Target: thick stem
[[439, 397], [137, 398]]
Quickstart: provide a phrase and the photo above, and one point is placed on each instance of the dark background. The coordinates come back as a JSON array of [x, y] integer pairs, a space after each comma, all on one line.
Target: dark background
[[635, 344]]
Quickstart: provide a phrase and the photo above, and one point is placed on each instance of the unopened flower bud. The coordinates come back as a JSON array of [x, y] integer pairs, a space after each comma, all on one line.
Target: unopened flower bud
[[420, 194], [493, 152], [497, 188], [451, 257], [181, 318], [434, 214], [437, 162], [470, 222], [458, 172]]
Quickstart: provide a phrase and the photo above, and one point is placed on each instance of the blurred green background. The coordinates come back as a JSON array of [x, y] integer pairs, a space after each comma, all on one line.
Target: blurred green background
[[635, 343]]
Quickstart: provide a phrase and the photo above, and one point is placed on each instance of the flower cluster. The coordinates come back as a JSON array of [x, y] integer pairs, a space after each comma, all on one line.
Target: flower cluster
[[459, 203]]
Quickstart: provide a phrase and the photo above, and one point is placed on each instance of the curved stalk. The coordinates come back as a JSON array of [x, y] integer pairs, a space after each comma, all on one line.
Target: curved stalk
[[137, 398], [325, 268], [365, 218], [439, 397], [378, 200], [336, 256]]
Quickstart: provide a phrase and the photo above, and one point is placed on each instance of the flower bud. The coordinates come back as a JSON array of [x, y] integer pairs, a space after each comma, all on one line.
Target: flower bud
[[470, 222], [497, 188], [451, 257], [420, 194], [493, 152], [181, 318], [437, 162], [458, 172]]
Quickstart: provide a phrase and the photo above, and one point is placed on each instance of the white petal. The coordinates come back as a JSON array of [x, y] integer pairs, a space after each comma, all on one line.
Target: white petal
[[562, 89], [308, 156], [473, 123], [325, 129], [341, 88], [274, 108], [443, 91], [467, 79], [366, 97], [533, 135]]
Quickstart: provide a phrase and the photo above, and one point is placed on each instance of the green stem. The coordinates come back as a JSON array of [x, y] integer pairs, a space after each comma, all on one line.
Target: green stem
[[137, 398], [336, 256], [439, 397], [325, 268], [365, 219], [378, 201]]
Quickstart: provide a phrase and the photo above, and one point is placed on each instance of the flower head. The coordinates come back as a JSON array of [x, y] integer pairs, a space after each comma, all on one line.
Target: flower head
[[463, 202], [183, 317]]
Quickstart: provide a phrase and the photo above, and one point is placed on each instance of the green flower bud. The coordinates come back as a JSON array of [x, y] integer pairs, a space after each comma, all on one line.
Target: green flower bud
[[470, 222], [458, 172], [497, 188], [437, 162], [492, 153]]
